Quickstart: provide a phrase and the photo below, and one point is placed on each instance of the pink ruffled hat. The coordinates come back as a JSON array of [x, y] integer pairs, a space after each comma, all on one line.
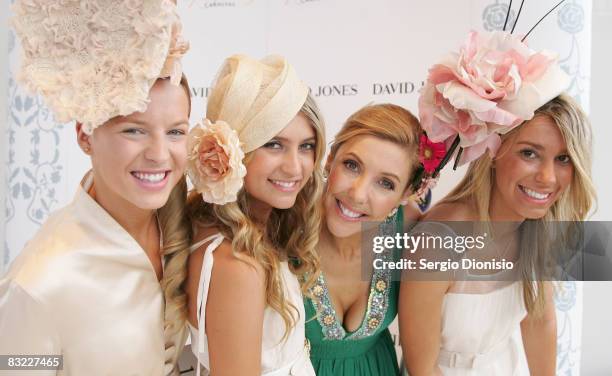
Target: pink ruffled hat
[[97, 59]]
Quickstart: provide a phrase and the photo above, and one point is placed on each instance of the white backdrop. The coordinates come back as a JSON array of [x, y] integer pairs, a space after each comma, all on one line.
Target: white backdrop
[[350, 52], [3, 116]]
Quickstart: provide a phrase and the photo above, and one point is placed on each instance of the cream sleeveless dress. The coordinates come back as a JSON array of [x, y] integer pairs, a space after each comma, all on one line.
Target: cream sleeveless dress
[[278, 358], [481, 329], [480, 325]]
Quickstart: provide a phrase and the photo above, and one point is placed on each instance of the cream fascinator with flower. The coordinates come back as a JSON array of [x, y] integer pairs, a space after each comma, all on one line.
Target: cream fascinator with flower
[[250, 103], [471, 97], [97, 59]]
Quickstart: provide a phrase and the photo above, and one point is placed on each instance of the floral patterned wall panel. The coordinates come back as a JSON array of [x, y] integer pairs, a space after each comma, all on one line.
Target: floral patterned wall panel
[[43, 164]]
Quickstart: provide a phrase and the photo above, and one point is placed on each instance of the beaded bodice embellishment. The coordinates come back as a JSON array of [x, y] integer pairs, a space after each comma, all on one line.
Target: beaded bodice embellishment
[[378, 302]]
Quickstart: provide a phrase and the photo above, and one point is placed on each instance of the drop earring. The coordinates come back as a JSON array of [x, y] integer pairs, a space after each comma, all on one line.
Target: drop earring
[[392, 213]]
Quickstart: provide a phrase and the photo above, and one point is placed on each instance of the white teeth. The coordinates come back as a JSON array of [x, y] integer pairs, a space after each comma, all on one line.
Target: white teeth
[[285, 184], [151, 178], [347, 212], [534, 194]]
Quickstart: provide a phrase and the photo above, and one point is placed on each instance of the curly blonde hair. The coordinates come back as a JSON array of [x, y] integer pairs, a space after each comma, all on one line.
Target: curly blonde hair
[[573, 205], [292, 233], [177, 236]]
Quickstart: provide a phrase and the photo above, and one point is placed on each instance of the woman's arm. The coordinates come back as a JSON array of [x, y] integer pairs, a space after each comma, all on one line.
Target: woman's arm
[[540, 337], [234, 311], [420, 316]]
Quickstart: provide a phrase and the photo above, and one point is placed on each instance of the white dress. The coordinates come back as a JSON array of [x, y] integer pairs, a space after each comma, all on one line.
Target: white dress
[[481, 329], [278, 358], [85, 289], [480, 324]]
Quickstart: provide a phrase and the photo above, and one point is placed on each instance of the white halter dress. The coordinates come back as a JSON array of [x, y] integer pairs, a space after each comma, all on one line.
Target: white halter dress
[[278, 358]]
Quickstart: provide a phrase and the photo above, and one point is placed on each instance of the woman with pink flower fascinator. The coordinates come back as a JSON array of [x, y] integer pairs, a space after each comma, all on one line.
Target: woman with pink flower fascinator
[[372, 169], [255, 163], [100, 284], [528, 148]]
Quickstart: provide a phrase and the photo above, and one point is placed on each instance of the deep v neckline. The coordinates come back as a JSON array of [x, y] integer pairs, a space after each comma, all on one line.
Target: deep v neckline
[[375, 312], [85, 185], [333, 308], [378, 296]]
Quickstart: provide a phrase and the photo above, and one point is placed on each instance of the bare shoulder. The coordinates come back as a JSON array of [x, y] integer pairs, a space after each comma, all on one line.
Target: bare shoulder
[[231, 274], [237, 285], [197, 256], [411, 212], [451, 211], [230, 265], [235, 309], [237, 268], [203, 232]]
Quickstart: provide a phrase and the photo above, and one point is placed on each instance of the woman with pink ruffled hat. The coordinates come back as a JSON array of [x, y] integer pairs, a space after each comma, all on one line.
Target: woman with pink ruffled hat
[[528, 148], [100, 284]]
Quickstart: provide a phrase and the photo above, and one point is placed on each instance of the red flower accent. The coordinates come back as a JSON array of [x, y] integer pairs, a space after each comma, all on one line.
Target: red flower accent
[[430, 153]]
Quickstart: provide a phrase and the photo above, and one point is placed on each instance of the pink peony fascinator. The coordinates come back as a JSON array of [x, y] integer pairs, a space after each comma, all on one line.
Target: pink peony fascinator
[[491, 85]]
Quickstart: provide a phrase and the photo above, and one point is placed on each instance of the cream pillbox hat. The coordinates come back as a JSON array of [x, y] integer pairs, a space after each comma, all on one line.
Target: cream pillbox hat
[[256, 98]]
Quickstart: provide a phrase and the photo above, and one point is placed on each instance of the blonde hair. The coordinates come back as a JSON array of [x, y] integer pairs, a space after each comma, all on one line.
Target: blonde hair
[[385, 121], [573, 205], [292, 232], [176, 235]]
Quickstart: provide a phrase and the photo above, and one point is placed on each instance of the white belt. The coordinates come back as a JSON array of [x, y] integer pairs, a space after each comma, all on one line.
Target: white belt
[[467, 360]]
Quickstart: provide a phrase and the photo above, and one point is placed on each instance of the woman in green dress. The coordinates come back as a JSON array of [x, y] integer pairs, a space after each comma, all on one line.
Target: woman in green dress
[[372, 162]]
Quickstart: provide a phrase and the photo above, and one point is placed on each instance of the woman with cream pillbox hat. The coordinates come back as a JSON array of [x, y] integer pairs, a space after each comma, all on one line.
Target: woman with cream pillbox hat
[[255, 164]]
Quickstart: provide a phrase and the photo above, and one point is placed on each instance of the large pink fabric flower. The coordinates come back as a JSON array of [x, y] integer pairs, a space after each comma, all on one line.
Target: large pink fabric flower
[[493, 84]]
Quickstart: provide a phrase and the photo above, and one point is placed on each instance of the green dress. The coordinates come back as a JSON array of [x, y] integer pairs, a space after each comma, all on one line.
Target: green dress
[[369, 350]]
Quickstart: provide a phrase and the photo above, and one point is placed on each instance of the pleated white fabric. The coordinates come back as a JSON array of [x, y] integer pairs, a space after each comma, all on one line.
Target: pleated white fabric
[[481, 331]]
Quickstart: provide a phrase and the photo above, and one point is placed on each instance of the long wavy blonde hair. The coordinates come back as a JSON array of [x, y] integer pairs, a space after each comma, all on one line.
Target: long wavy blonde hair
[[177, 236], [290, 233], [573, 205]]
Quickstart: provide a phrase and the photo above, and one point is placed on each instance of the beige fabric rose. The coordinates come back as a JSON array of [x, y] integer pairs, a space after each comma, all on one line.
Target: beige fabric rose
[[97, 59], [214, 164]]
